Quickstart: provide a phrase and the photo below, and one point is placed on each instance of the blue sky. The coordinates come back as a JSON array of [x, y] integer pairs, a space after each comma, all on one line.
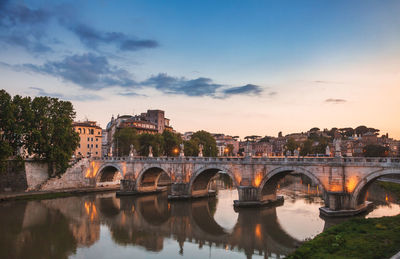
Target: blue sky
[[238, 67]]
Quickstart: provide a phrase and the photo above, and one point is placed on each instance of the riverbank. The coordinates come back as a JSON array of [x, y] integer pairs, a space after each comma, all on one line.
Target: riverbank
[[38, 195], [356, 238]]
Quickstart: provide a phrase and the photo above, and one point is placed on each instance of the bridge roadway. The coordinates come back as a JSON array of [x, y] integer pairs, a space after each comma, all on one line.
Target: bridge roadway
[[343, 181]]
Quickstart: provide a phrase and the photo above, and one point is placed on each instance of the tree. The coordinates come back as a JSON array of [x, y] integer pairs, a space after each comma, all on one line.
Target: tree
[[124, 138], [251, 138], [52, 137], [348, 132], [7, 121], [307, 148], [314, 129], [42, 126], [375, 151], [291, 144], [171, 143], [154, 140], [204, 138]]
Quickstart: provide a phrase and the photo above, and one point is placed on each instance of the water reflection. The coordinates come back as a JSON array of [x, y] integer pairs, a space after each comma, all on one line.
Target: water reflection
[[103, 226]]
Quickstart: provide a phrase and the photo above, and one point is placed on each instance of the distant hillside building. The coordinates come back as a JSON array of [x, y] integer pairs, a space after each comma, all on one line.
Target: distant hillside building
[[90, 143], [222, 143], [152, 122]]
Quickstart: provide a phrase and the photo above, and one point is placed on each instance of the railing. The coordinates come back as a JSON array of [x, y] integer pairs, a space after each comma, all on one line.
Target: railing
[[289, 159]]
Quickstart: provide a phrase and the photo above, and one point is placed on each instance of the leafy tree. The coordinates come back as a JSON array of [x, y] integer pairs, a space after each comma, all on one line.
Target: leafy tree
[[306, 148], [204, 138], [265, 139], [375, 151], [5, 150], [154, 140], [52, 137], [191, 147], [363, 129], [291, 144], [348, 132], [42, 126], [124, 138], [171, 143], [251, 138], [7, 121]]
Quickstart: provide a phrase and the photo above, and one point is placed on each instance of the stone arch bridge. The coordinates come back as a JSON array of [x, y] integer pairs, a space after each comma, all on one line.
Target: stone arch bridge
[[342, 181]]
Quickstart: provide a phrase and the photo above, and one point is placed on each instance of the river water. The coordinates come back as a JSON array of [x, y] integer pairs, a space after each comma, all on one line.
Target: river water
[[104, 226]]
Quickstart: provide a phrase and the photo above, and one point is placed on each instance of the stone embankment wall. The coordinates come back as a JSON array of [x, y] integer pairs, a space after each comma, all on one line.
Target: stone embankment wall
[[13, 177], [32, 175], [74, 177]]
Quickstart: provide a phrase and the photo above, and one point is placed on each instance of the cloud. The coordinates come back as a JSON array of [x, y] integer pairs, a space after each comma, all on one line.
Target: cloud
[[248, 89], [88, 71], [11, 15], [326, 82], [92, 38], [173, 85], [335, 101], [24, 27], [131, 94], [81, 97], [198, 87]]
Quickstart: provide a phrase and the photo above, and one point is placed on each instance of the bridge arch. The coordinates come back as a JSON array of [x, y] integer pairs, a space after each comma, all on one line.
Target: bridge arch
[[108, 173], [148, 177], [360, 191], [268, 185], [200, 179]]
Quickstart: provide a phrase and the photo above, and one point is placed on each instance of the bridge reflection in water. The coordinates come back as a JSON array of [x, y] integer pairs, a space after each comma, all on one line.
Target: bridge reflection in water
[[58, 228]]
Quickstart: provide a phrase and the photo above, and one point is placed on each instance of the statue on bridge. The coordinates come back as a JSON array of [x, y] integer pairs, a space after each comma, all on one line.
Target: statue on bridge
[[182, 147], [150, 151], [201, 150], [338, 149], [132, 151], [327, 151]]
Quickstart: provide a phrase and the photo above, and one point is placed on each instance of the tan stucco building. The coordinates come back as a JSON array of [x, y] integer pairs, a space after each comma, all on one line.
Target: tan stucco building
[[91, 139]]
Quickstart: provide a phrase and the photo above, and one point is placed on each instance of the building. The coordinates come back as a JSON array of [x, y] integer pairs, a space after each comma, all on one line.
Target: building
[[152, 122], [369, 138], [262, 148], [223, 142], [90, 144]]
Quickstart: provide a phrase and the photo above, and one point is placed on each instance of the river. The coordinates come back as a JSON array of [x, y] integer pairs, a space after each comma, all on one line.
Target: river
[[104, 226]]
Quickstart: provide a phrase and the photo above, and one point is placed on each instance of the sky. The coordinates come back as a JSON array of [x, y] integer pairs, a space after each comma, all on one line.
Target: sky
[[228, 66]]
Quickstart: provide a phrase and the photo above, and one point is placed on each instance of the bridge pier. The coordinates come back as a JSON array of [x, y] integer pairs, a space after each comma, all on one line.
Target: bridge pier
[[338, 204], [249, 197], [181, 191], [130, 187]]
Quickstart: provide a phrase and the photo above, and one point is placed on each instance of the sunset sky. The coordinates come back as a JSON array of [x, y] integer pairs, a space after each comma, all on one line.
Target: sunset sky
[[233, 67]]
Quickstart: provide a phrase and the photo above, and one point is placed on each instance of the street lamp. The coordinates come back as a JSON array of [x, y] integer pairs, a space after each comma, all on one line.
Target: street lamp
[[226, 150]]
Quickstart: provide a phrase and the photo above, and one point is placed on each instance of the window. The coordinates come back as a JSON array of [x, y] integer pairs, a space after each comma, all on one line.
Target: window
[[88, 139], [97, 139], [96, 153], [92, 145], [88, 145], [80, 130], [96, 145], [79, 145], [84, 131], [91, 139], [92, 131]]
